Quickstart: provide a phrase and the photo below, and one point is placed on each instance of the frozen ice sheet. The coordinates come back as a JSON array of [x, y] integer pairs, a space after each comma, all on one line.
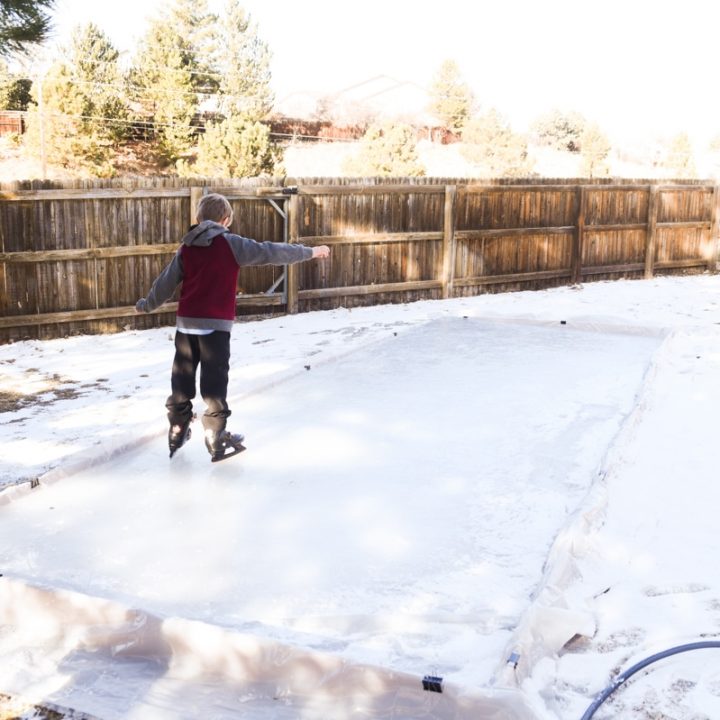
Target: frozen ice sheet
[[394, 507]]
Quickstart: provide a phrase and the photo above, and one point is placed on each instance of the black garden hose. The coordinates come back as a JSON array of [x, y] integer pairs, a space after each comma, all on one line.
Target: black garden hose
[[610, 689]]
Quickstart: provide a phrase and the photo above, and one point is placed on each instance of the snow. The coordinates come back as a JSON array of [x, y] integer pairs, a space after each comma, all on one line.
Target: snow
[[428, 488]]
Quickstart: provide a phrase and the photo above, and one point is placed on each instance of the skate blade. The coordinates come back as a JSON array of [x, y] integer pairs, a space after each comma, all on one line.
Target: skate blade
[[233, 451], [188, 435]]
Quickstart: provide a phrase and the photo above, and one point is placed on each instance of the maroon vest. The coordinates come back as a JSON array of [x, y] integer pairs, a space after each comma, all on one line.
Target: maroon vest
[[209, 280]]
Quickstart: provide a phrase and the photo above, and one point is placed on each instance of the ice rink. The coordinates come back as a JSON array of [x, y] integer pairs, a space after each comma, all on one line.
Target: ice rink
[[394, 509]]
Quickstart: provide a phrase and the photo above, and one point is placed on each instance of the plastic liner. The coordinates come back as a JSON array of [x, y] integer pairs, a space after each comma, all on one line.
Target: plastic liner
[[99, 657], [554, 618]]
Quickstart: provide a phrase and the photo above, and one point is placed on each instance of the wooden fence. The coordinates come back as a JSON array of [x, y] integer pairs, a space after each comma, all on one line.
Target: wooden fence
[[75, 258], [12, 122]]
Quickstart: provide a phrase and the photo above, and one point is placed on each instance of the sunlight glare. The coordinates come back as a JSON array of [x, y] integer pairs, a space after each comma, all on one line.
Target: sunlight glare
[[259, 370], [31, 452]]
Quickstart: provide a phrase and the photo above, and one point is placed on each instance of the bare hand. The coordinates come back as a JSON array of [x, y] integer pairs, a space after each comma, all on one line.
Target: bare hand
[[321, 251]]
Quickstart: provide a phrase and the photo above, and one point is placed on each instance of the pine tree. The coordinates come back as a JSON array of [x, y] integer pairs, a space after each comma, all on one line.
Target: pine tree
[[5, 86], [235, 147], [164, 82], [100, 81], [243, 66], [14, 91], [386, 150], [680, 159], [82, 113], [451, 99], [193, 21], [23, 23], [594, 150], [490, 143], [238, 64], [560, 130]]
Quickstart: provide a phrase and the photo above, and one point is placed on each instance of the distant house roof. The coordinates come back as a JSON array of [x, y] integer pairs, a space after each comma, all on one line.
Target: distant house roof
[[381, 97]]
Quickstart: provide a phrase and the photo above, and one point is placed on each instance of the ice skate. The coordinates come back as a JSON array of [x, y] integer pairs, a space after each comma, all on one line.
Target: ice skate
[[223, 444], [178, 435]]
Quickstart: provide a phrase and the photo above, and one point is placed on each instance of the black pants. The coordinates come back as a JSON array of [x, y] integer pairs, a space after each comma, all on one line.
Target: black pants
[[212, 353]]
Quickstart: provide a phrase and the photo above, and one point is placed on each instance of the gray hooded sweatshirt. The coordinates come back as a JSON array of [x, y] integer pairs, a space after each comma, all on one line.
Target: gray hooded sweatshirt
[[207, 263]]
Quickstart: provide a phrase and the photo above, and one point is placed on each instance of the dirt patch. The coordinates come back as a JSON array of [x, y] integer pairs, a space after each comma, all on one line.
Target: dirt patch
[[15, 708], [41, 389]]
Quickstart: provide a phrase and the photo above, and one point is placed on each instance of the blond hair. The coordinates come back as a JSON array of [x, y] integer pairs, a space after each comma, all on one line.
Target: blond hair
[[213, 207]]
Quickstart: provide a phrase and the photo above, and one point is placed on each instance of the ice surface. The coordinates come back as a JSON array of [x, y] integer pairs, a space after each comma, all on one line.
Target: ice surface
[[395, 506]]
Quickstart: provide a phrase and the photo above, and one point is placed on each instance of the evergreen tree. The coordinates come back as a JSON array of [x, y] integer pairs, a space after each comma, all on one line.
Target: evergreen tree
[[82, 112], [164, 82], [237, 67], [680, 159], [491, 145], [191, 56], [594, 150], [23, 23], [235, 147], [100, 82], [386, 150], [451, 100], [560, 130], [14, 91], [192, 20], [243, 66], [6, 83]]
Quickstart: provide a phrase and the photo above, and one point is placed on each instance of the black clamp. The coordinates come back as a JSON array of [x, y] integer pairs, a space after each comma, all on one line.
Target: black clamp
[[432, 683]]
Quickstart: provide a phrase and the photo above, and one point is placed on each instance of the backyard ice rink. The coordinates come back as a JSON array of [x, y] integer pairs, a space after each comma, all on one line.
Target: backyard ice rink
[[412, 477]]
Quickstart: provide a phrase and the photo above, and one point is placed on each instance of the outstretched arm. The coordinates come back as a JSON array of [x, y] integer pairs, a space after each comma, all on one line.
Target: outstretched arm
[[163, 287], [252, 252]]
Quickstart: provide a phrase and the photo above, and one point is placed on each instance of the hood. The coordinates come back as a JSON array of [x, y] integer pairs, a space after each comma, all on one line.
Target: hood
[[203, 233]]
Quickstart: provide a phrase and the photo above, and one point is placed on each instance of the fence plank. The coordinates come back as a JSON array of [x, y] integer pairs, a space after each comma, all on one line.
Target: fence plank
[[358, 189], [369, 289], [651, 241], [196, 194], [449, 243], [91, 194], [579, 237], [45, 256], [712, 259], [371, 238], [254, 300], [513, 277], [291, 274]]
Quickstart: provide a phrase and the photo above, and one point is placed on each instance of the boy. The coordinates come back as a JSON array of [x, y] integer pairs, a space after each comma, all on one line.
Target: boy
[[207, 264]]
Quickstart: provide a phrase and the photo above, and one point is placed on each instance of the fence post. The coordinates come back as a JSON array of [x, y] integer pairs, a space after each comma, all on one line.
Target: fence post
[[713, 258], [578, 240], [196, 194], [291, 273], [651, 232], [448, 259]]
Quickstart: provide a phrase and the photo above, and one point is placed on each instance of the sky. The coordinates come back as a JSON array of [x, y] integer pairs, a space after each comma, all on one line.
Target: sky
[[636, 67], [540, 479]]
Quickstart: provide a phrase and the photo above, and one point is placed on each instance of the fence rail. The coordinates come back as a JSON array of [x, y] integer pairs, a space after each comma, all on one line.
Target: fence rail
[[75, 258]]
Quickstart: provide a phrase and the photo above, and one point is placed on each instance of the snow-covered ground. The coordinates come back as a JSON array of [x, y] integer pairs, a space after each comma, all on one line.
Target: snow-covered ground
[[428, 489]]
